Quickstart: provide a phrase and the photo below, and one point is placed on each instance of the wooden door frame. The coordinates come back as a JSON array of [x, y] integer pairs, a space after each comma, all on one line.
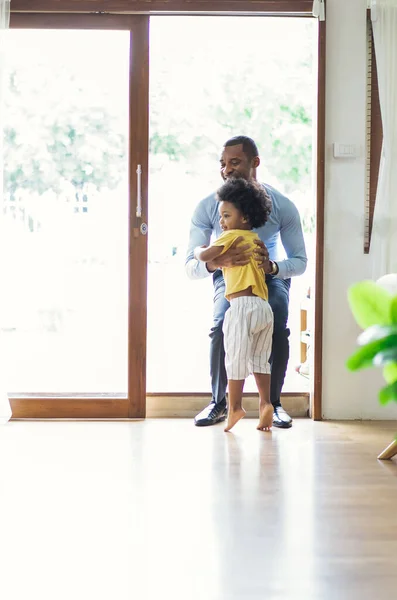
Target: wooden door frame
[[108, 406], [163, 7], [112, 407], [317, 380]]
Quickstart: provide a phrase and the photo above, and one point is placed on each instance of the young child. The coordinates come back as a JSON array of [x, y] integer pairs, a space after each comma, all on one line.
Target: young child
[[248, 324]]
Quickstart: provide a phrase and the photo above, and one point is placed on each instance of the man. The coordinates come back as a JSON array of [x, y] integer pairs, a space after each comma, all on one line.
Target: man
[[240, 159]]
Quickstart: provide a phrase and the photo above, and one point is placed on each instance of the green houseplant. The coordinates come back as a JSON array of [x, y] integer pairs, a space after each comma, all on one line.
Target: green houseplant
[[374, 306]]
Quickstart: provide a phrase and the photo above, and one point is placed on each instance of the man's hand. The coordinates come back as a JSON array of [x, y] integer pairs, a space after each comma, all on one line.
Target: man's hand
[[235, 256], [261, 254]]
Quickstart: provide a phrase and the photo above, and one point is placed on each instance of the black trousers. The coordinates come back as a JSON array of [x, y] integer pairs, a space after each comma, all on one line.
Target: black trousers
[[278, 300]]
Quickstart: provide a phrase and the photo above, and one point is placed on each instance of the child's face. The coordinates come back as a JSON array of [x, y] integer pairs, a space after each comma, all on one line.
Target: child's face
[[231, 217]]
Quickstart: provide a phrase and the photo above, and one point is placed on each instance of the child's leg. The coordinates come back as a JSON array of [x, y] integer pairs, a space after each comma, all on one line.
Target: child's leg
[[237, 343], [235, 397], [262, 345], [265, 406]]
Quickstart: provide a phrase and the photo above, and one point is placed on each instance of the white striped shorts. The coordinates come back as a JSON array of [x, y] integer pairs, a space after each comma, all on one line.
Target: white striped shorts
[[248, 331]]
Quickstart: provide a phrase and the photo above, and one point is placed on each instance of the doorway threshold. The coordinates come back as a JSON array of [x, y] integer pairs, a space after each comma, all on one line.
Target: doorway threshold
[[186, 406]]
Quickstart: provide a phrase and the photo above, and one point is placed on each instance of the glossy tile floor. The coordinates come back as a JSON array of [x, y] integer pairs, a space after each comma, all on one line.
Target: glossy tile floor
[[161, 509]]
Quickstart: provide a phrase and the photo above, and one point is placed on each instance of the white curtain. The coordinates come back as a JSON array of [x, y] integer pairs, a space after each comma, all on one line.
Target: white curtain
[[5, 410], [384, 232]]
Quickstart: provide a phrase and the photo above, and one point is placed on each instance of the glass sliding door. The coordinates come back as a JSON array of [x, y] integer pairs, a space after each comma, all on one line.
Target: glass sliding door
[[212, 78], [66, 226]]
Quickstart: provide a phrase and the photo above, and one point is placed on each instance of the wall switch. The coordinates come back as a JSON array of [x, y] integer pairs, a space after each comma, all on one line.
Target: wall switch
[[342, 150]]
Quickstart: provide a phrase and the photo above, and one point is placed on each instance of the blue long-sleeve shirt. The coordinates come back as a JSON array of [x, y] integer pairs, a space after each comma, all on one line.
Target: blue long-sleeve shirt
[[283, 224]]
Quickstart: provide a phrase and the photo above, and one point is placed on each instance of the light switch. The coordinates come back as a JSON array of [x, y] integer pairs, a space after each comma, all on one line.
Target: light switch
[[342, 150]]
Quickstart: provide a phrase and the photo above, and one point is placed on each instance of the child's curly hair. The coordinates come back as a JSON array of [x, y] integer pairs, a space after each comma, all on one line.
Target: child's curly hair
[[249, 197]]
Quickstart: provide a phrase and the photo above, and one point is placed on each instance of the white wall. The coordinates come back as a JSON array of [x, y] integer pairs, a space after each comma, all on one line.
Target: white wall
[[345, 395]]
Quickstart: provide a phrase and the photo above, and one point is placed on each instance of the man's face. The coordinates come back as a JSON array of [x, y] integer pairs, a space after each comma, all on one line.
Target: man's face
[[234, 163]]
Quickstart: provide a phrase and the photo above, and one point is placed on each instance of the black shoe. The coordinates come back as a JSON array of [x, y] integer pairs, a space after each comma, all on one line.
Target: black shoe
[[281, 418], [211, 414]]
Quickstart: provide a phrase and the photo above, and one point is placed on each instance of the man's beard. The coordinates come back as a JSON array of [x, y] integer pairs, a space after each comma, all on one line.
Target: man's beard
[[235, 176]]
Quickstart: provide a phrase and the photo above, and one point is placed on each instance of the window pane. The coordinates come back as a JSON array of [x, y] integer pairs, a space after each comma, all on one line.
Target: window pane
[[212, 78], [64, 235]]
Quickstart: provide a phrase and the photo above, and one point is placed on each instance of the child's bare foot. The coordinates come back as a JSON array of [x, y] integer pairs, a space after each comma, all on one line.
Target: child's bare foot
[[265, 417], [233, 417]]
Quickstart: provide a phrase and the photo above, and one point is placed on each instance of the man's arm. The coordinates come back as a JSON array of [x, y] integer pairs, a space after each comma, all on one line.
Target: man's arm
[[291, 235], [200, 235]]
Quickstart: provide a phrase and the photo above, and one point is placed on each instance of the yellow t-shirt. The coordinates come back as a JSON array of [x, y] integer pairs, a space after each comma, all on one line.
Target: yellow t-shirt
[[240, 278]]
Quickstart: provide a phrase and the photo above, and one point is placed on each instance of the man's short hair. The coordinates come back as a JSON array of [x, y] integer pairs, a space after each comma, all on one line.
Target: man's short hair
[[250, 149]]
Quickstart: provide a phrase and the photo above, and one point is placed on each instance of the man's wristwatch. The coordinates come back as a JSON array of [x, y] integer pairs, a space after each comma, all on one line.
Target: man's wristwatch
[[274, 267]]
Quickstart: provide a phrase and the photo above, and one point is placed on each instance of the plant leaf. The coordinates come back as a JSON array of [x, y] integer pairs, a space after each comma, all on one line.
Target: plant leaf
[[376, 332], [370, 304], [364, 356], [393, 310], [385, 357], [388, 393], [390, 372]]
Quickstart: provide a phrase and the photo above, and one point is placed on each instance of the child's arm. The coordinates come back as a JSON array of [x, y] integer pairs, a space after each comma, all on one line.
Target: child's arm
[[207, 253]]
